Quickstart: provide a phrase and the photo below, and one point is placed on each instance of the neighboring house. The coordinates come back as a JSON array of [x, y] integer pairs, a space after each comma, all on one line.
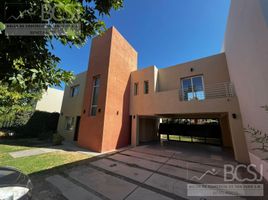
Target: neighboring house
[[123, 105], [51, 101], [71, 109], [246, 48]]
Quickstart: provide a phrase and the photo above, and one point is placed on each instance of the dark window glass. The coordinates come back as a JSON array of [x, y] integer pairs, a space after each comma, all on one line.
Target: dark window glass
[[136, 88], [95, 96], [146, 87]]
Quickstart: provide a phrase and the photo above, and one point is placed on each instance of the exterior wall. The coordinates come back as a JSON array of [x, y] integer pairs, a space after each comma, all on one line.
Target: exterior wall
[[214, 69], [246, 47], [113, 59], [51, 101], [123, 61], [148, 129], [72, 106], [163, 97]]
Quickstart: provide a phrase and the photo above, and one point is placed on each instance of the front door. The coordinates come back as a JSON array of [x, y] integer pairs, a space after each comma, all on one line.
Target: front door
[[77, 128]]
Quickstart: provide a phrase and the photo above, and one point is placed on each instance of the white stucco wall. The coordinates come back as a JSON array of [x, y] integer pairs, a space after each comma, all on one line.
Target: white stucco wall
[[51, 101], [246, 48]]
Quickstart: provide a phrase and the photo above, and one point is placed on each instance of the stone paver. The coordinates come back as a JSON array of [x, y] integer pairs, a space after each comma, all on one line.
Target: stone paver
[[142, 193], [144, 172], [146, 156], [107, 185], [207, 161], [31, 152], [155, 151], [137, 161], [122, 169], [187, 174], [194, 166], [69, 190], [168, 184]]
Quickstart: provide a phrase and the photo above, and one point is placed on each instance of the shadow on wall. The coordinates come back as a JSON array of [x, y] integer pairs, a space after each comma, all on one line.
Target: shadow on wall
[[264, 8], [125, 131]]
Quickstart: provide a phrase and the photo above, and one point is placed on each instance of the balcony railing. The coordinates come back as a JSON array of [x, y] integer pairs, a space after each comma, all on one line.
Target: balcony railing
[[212, 91]]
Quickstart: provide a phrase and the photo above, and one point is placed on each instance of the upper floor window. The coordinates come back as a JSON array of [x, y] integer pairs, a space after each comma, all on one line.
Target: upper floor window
[[74, 90], [193, 88], [136, 89], [95, 96], [146, 87]]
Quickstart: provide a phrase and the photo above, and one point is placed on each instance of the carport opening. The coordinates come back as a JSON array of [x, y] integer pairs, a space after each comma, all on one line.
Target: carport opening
[[173, 130], [204, 131]]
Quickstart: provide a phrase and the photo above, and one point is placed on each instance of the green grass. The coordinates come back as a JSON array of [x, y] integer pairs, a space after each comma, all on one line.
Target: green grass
[[188, 139], [36, 163], [4, 148]]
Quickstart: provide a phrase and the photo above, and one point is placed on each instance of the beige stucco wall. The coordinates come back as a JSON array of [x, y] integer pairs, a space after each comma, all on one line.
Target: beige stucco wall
[[51, 100], [148, 129], [246, 47], [213, 68], [163, 97], [164, 85], [72, 106]]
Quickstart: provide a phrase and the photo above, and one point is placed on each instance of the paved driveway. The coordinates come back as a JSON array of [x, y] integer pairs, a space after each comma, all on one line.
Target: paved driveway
[[145, 172]]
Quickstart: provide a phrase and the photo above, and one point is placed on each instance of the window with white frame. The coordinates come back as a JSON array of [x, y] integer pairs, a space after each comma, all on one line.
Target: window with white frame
[[136, 89], [146, 87], [69, 123], [74, 90], [95, 96], [193, 88]]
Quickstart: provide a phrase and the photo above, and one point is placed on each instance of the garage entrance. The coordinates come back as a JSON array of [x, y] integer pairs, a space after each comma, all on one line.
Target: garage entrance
[[208, 129]]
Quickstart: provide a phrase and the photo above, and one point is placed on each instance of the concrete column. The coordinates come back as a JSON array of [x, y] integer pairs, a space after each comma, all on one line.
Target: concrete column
[[225, 131], [238, 138]]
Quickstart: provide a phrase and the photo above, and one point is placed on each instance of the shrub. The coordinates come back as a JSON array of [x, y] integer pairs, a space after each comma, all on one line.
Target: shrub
[[57, 139], [45, 135], [3, 133], [41, 125]]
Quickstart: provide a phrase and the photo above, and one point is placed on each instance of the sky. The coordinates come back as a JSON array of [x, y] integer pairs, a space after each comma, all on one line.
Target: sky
[[163, 32]]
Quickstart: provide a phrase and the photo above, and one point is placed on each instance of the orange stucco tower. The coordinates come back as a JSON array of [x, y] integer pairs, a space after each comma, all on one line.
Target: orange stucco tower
[[105, 122]]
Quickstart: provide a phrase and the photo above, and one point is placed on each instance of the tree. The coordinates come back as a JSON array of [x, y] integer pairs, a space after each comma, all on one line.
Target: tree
[[27, 66], [26, 62], [14, 104]]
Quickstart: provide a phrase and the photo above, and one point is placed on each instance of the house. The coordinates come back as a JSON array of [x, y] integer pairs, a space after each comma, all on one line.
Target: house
[[51, 101], [71, 109], [118, 104]]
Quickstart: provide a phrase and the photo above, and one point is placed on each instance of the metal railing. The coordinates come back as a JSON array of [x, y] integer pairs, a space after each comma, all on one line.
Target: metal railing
[[212, 91]]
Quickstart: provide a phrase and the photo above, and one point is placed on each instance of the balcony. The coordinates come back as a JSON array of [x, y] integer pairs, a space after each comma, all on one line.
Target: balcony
[[212, 91]]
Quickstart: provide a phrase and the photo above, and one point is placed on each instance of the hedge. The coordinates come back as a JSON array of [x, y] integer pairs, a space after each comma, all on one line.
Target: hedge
[[41, 124]]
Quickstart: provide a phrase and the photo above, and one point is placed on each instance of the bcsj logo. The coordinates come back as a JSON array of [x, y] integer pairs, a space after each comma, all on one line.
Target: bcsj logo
[[231, 173], [49, 13]]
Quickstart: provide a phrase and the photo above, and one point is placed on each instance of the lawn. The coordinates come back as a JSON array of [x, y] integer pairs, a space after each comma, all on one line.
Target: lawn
[[37, 163], [189, 139]]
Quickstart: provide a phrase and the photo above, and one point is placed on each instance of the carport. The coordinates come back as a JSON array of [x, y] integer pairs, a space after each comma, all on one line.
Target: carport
[[172, 129]]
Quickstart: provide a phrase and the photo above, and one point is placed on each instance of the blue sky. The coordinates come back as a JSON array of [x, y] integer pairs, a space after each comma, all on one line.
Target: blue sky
[[164, 32]]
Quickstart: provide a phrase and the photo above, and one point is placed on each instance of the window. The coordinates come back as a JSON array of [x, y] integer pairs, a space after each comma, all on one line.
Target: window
[[69, 123], [193, 88], [74, 90], [95, 96], [146, 87], [136, 89]]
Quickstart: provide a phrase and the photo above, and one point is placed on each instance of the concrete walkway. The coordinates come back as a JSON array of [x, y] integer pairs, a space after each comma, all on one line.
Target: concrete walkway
[[145, 172], [31, 152], [66, 146]]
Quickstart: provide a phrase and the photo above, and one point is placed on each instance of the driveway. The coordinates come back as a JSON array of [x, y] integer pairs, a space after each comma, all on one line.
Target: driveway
[[145, 172]]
